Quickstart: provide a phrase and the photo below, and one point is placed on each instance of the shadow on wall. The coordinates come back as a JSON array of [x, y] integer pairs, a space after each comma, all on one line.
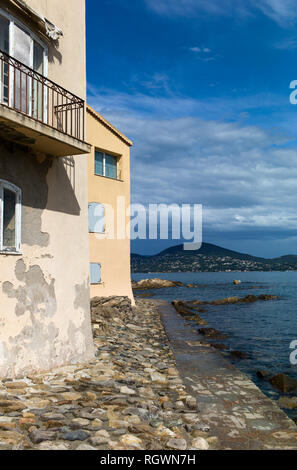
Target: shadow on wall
[[53, 53], [34, 173]]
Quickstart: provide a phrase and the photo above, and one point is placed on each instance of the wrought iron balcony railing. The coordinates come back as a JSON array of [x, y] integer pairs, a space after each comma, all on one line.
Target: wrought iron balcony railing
[[32, 94]]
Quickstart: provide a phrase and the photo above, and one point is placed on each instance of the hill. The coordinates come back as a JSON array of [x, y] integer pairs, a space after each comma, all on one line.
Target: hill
[[208, 258]]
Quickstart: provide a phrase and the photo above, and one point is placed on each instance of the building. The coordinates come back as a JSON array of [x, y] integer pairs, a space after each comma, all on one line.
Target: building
[[44, 246], [109, 202]]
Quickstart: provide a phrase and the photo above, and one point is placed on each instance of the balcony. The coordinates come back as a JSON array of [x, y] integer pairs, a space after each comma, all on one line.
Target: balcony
[[37, 113]]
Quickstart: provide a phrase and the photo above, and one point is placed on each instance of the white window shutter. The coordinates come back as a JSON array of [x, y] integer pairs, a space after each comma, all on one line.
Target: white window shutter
[[96, 218], [95, 273]]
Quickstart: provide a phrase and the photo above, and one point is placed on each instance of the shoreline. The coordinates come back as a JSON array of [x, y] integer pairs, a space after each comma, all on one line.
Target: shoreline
[[242, 416], [151, 386]]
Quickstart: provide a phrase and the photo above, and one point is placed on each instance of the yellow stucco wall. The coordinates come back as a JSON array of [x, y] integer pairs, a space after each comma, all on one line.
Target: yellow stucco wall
[[112, 254]]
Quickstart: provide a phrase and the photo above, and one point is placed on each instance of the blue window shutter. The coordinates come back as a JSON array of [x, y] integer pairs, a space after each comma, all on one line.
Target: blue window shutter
[[110, 166], [96, 218], [98, 163], [95, 273]]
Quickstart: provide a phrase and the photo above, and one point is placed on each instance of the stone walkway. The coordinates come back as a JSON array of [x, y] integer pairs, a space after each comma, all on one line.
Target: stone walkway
[[239, 415], [130, 397]]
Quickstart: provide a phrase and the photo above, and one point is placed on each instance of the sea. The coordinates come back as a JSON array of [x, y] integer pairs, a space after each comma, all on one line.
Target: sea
[[264, 330]]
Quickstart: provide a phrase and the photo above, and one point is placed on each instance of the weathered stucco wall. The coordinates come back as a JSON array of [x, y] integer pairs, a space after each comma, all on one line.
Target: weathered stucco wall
[[44, 292], [112, 254]]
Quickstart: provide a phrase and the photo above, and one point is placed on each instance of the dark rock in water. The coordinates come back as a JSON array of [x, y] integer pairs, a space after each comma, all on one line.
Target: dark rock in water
[[196, 302], [154, 284], [144, 294], [284, 383], [238, 355], [191, 285], [219, 346], [211, 333], [247, 299], [228, 300], [263, 374], [186, 311], [182, 307]]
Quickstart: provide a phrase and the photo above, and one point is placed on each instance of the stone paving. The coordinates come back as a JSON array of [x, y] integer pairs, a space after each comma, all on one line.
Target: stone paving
[[129, 397], [137, 394], [239, 415]]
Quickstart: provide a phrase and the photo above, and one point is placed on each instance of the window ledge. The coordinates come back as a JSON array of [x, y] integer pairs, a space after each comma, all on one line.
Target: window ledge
[[8, 252], [109, 177]]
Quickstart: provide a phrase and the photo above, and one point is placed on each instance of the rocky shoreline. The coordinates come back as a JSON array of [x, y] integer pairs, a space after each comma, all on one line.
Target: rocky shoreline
[[130, 396], [283, 383]]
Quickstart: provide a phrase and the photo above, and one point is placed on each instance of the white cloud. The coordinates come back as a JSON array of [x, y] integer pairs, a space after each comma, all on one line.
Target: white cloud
[[283, 12], [242, 174]]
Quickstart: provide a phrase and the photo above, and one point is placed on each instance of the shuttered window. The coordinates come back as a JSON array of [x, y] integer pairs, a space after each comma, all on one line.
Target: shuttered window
[[96, 218], [95, 273]]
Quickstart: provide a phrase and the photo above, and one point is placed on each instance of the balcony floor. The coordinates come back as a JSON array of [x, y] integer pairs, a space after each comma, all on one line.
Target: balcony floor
[[19, 128]]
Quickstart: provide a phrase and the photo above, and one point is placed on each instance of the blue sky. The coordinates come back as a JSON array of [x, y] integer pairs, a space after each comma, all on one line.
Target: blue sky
[[202, 89]]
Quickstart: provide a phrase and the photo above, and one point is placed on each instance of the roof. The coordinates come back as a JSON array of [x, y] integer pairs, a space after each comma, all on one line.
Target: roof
[[107, 124]]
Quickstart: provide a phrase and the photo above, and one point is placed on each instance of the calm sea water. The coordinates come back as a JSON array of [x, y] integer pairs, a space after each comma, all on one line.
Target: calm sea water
[[262, 330]]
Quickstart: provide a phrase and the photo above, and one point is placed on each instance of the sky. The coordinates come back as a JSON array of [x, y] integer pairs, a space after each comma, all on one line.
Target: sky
[[202, 87]]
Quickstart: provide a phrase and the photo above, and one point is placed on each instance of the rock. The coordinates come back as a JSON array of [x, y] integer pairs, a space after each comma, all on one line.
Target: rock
[[236, 282], [289, 403], [154, 284], [78, 423], [16, 385], [127, 391], [190, 418], [158, 378], [211, 333], [177, 444], [85, 447], [182, 307], [99, 440], [76, 435], [131, 440], [38, 436], [284, 383], [72, 396], [219, 346], [200, 444], [48, 445], [238, 355], [191, 285], [191, 402], [263, 374], [172, 371]]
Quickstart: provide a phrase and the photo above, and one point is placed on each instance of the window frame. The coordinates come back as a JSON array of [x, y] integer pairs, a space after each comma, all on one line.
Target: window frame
[[18, 217], [117, 157], [12, 20]]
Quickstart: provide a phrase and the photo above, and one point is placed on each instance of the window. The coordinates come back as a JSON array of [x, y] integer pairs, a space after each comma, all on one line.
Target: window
[[10, 217], [95, 273], [106, 165], [96, 218], [20, 43]]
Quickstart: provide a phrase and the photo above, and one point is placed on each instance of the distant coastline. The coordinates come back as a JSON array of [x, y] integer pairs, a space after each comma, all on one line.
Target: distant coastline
[[210, 258]]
